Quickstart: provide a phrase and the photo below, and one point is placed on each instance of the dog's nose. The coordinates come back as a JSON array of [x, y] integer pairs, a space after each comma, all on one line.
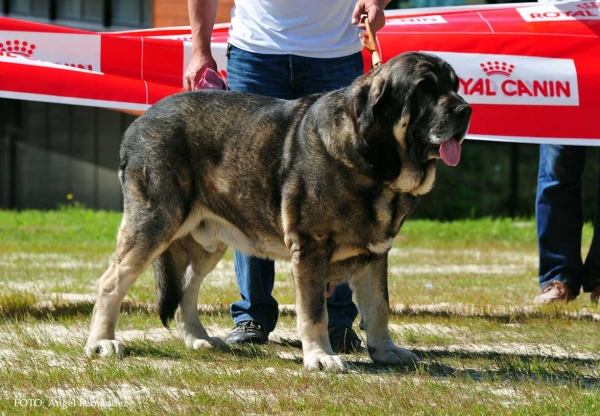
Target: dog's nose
[[463, 111]]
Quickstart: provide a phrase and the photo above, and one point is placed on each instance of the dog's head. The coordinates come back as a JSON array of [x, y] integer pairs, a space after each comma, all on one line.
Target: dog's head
[[408, 114]]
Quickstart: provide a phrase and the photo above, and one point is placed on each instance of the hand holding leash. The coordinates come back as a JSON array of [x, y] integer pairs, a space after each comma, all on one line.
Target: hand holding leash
[[369, 42]]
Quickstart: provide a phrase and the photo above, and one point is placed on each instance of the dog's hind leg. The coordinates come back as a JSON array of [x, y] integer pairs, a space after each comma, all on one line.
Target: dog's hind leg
[[138, 245], [371, 294], [155, 201], [194, 264]]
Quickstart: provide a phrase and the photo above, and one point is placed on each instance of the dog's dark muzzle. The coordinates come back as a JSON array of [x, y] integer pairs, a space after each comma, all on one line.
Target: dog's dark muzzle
[[446, 140], [459, 117], [463, 111]]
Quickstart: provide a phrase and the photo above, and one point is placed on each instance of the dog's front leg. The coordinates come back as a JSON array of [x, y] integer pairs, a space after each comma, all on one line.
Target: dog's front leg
[[309, 267], [371, 294]]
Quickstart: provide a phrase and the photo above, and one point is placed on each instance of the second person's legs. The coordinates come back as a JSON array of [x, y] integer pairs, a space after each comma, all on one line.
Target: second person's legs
[[559, 217]]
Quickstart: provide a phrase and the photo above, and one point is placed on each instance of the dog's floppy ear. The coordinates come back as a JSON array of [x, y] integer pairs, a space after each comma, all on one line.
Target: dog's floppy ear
[[377, 143], [365, 104]]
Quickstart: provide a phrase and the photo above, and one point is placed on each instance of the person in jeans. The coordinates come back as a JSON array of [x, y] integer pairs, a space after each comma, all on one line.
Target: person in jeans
[[559, 216], [285, 50]]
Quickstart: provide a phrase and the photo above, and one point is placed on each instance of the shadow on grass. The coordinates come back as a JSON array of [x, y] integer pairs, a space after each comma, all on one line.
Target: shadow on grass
[[492, 367], [293, 343], [495, 356], [503, 367], [173, 350], [153, 350]]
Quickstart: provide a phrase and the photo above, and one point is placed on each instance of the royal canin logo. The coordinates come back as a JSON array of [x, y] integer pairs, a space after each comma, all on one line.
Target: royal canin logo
[[16, 47], [500, 68], [588, 5], [514, 80], [22, 48], [512, 87], [561, 11]]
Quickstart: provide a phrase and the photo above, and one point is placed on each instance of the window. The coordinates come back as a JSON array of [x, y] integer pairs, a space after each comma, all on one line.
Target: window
[[93, 10], [81, 10], [106, 13], [37, 8], [69, 9], [132, 12], [40, 7]]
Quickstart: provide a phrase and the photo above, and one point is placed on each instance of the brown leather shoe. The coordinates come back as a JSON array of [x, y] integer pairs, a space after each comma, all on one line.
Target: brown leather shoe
[[595, 295], [555, 291]]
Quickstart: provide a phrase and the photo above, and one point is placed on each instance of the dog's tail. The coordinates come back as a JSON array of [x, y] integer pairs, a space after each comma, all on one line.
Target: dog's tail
[[169, 276]]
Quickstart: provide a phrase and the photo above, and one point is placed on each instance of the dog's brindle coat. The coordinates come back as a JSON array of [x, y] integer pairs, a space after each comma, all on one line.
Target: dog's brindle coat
[[325, 181]]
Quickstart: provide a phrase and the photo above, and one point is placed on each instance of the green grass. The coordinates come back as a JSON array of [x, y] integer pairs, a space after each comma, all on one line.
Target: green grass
[[461, 295]]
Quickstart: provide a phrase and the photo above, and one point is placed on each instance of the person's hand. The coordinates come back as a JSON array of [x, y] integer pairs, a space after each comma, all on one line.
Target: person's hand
[[196, 68], [374, 11]]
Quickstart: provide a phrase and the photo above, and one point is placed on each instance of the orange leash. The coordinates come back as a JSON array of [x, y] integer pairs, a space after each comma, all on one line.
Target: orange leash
[[369, 42], [329, 290]]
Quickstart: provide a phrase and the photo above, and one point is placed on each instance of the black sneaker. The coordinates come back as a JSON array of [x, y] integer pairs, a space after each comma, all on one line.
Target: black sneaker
[[247, 332], [344, 339]]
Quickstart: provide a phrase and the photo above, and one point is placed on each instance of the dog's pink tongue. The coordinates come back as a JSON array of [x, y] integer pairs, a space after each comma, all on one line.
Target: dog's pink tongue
[[450, 152]]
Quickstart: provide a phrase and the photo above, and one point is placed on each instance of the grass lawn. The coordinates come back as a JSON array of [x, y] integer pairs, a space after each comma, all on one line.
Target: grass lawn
[[461, 295]]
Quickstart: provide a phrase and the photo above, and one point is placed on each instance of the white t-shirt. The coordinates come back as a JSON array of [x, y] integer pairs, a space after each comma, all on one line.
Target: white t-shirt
[[313, 28]]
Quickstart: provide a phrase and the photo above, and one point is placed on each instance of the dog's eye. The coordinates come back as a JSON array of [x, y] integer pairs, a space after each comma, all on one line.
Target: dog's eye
[[455, 84], [428, 86]]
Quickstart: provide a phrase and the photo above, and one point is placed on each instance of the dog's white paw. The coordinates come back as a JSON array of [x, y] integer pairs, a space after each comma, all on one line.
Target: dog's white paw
[[104, 348], [390, 354], [322, 361], [213, 342]]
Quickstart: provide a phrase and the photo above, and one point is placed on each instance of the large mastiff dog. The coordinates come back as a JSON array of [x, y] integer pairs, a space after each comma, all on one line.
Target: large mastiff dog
[[325, 181]]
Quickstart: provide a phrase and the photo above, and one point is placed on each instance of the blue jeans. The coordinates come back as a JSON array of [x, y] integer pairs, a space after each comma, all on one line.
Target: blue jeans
[[559, 215], [287, 77]]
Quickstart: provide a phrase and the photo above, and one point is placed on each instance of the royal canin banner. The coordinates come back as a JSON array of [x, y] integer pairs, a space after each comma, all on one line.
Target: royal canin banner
[[530, 71]]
